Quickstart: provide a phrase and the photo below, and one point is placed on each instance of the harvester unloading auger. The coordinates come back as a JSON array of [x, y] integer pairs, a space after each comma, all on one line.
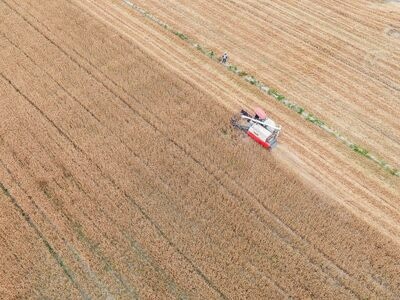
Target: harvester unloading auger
[[260, 128]]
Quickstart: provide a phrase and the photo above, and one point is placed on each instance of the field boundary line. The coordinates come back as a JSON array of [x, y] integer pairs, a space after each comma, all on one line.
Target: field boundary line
[[308, 116]]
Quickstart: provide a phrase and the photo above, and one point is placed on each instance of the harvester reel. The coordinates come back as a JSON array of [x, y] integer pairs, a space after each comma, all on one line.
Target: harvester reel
[[237, 122]]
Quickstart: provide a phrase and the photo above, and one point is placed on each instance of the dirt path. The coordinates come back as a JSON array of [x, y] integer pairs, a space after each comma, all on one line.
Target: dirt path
[[115, 143]]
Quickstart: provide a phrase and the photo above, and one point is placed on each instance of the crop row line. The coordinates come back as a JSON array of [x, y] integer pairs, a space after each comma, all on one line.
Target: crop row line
[[41, 236], [271, 92]]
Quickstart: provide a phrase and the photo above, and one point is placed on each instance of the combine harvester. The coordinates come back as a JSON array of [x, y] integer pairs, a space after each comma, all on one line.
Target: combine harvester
[[260, 128]]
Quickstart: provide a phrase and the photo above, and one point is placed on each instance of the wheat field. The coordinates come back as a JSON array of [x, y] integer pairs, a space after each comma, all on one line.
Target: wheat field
[[120, 176]]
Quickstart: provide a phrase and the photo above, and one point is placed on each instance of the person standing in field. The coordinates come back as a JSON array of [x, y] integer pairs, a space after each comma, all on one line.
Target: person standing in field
[[224, 58]]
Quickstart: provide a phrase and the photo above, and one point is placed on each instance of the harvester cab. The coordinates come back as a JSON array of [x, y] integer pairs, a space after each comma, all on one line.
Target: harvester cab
[[258, 127]]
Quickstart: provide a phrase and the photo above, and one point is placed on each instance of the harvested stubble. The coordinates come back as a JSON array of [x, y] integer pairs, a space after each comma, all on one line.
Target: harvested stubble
[[125, 170]]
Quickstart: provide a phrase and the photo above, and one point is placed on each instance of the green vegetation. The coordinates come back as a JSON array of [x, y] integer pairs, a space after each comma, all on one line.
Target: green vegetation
[[181, 35], [210, 54], [232, 68], [359, 150]]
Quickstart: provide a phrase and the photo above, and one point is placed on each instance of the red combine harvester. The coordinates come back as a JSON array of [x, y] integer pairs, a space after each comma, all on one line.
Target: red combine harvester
[[260, 128]]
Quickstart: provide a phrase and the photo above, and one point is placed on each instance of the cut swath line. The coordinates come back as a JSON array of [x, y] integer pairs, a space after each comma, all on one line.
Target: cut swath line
[[272, 92]]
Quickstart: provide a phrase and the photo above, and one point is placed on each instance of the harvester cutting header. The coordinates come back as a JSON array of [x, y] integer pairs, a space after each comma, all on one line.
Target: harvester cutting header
[[260, 128]]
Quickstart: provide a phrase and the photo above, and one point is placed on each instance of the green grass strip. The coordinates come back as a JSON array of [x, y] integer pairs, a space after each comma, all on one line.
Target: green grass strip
[[272, 92]]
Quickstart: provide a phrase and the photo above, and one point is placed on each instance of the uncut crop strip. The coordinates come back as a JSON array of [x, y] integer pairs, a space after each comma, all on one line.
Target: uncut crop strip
[[271, 92]]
